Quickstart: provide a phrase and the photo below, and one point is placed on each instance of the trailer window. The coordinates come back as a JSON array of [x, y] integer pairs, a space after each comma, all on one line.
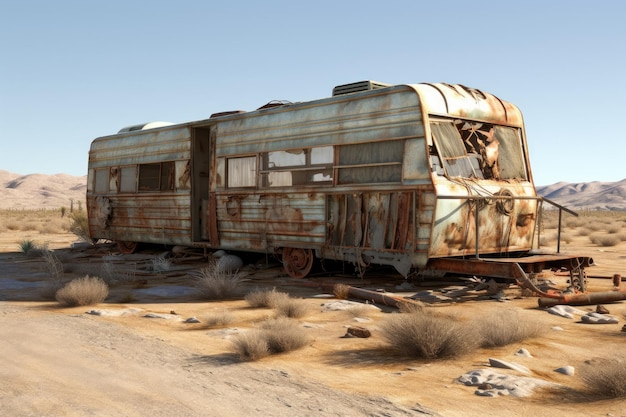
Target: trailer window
[[479, 150], [128, 179], [241, 172], [156, 177], [101, 181], [298, 167], [452, 150], [371, 162]]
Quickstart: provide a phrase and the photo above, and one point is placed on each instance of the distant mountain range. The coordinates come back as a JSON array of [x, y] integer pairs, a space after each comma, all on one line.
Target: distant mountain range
[[40, 191], [587, 195], [37, 191]]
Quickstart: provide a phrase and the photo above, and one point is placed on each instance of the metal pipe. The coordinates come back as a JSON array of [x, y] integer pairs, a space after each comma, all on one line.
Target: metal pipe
[[584, 299], [379, 297]]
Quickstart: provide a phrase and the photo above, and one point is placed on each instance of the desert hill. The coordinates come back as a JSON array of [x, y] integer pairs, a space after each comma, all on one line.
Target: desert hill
[[39, 191], [587, 195]]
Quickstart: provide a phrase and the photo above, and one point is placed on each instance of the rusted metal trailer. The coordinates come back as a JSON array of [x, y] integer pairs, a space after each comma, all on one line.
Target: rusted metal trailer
[[423, 177]]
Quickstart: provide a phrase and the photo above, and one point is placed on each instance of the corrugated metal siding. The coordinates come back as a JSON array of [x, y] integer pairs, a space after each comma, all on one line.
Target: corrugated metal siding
[[271, 220], [150, 146], [149, 218], [371, 116]]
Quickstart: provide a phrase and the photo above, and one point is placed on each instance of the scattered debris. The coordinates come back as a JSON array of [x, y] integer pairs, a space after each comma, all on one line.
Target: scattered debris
[[565, 311], [596, 318], [493, 384], [356, 331]]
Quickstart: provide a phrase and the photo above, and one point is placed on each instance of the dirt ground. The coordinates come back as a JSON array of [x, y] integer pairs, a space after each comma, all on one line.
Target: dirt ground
[[65, 362]]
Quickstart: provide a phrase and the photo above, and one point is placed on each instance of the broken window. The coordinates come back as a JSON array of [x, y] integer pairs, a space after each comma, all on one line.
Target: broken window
[[371, 162], [298, 167], [241, 172], [156, 177], [479, 150]]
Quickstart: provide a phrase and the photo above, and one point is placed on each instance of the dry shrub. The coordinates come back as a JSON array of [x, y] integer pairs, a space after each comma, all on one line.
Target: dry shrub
[[341, 291], [283, 335], [547, 239], [622, 237], [53, 264], [214, 284], [605, 377], [112, 275], [614, 228], [79, 225], [274, 336], [220, 319], [291, 307], [424, 334], [505, 327], [584, 232], [54, 226], [54, 267], [83, 292], [13, 225], [251, 345], [604, 240], [265, 298]]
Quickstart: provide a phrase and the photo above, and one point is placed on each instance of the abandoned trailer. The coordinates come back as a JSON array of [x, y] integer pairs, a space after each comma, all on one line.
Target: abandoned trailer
[[424, 177]]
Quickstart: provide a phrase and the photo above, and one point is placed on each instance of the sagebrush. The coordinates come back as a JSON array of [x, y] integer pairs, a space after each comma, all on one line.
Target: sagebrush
[[83, 292]]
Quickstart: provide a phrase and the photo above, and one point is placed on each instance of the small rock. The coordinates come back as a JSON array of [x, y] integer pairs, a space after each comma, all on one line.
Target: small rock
[[600, 309], [565, 370], [499, 363], [523, 352], [357, 331], [192, 320], [557, 328], [624, 328]]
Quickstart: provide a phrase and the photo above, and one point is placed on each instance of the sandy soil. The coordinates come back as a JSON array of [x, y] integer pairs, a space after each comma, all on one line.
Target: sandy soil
[[64, 362]]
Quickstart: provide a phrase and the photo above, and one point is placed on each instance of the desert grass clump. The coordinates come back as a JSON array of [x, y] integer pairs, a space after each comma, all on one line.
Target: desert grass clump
[[292, 308], [53, 264], [83, 292], [605, 377], [213, 284], [504, 328], [113, 275], [604, 240], [161, 264], [27, 246], [263, 298], [272, 337], [423, 334], [251, 345], [283, 335], [221, 319], [79, 225]]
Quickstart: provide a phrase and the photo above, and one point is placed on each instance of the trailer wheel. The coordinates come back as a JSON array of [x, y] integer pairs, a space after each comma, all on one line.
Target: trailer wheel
[[126, 247], [297, 262]]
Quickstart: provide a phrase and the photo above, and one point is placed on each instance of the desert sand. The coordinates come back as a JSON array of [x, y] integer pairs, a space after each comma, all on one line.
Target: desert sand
[[135, 354]]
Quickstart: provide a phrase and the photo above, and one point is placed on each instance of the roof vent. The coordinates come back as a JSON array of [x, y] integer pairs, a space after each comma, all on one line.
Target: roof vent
[[358, 86]]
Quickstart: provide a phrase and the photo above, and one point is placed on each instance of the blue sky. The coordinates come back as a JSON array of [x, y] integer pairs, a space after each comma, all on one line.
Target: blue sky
[[75, 70]]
